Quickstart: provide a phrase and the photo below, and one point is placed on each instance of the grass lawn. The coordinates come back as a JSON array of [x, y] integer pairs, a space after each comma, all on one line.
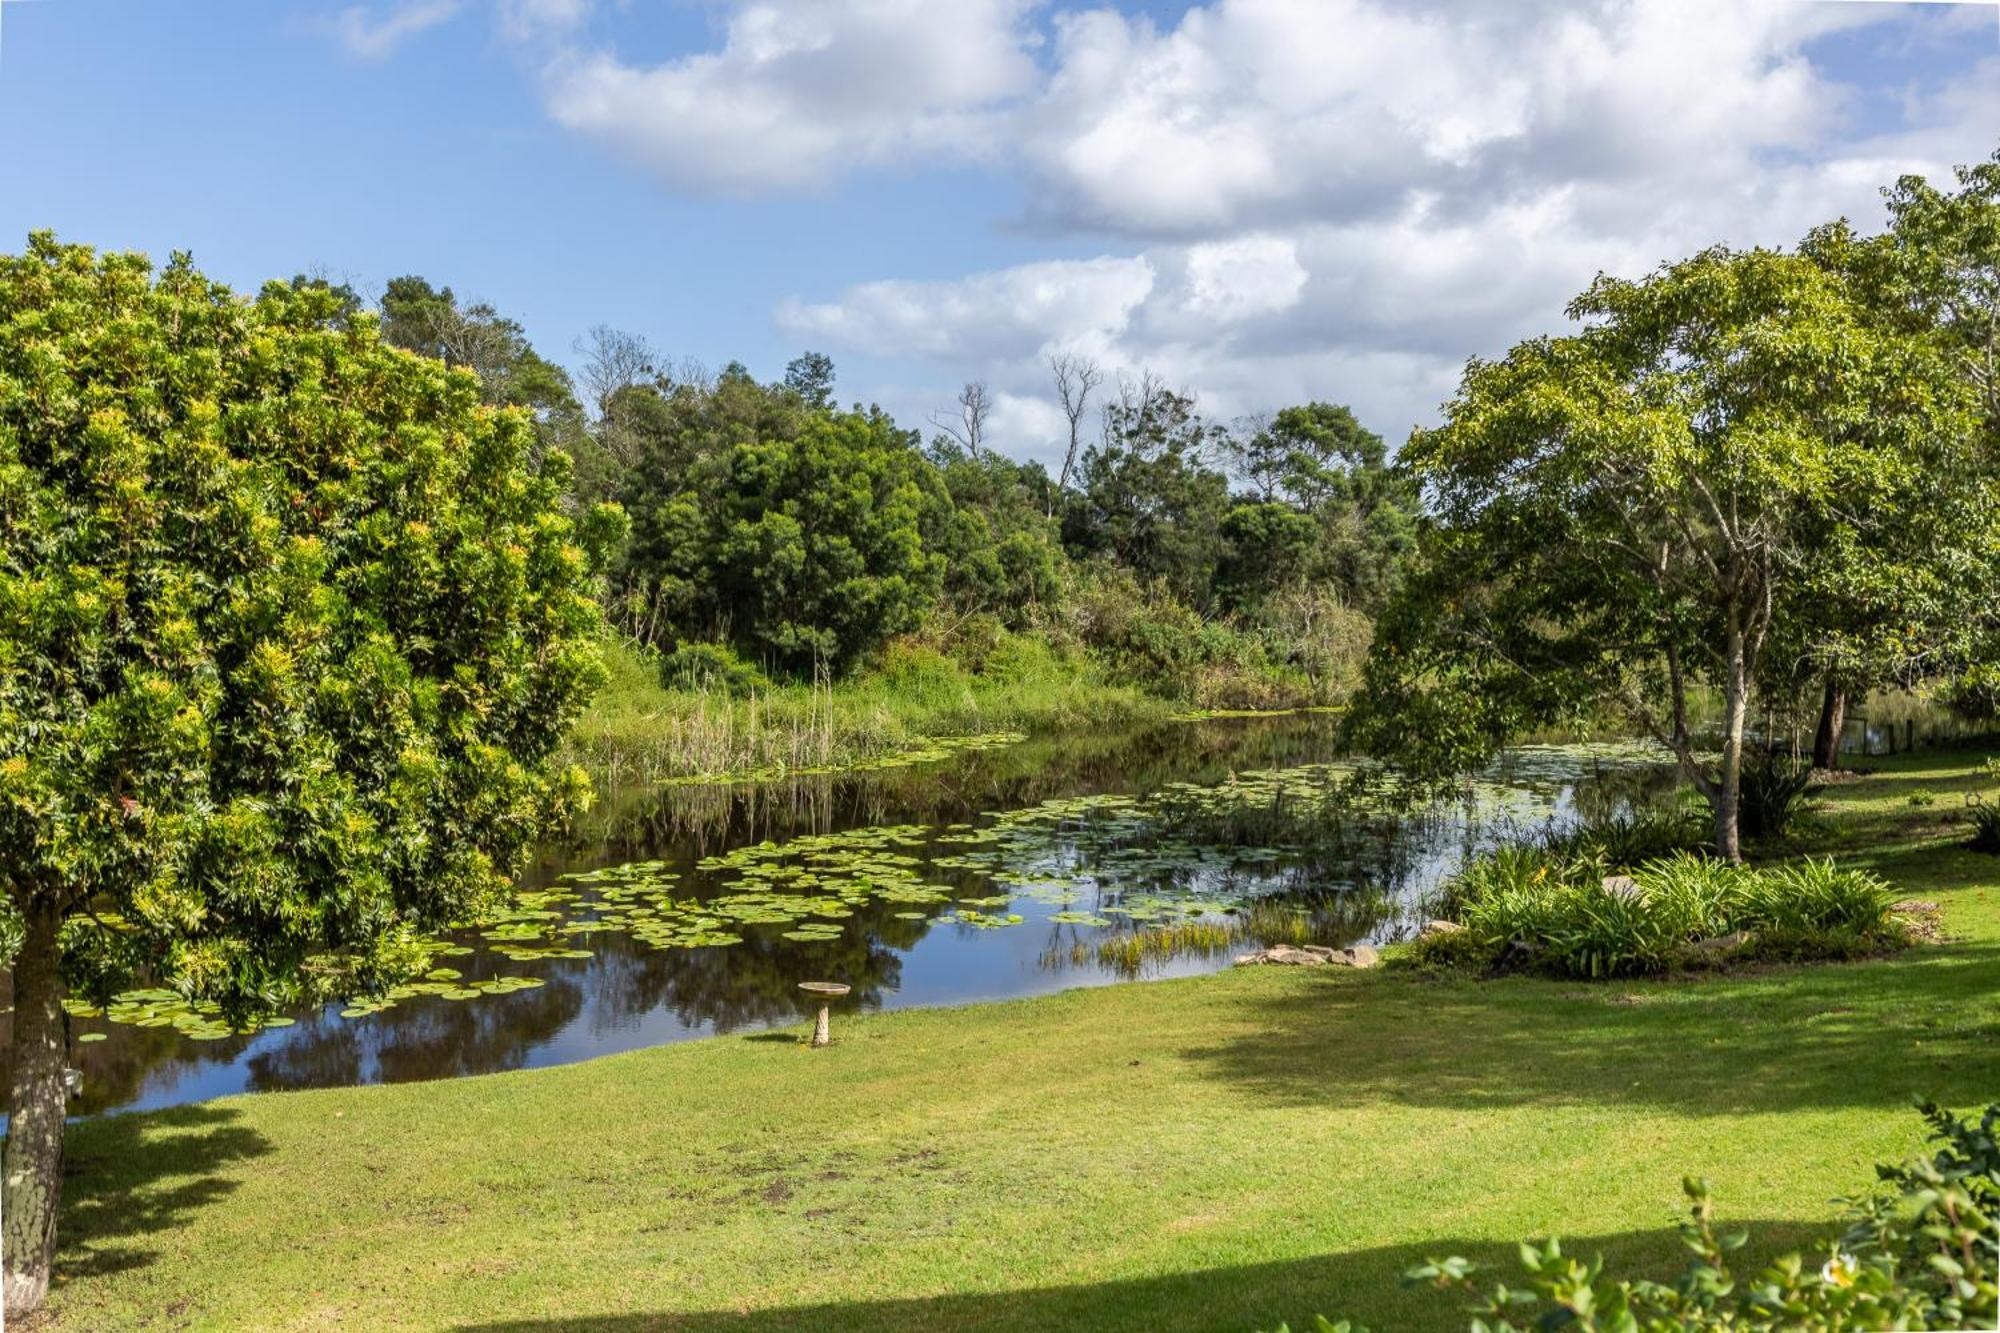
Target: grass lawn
[[1217, 1153]]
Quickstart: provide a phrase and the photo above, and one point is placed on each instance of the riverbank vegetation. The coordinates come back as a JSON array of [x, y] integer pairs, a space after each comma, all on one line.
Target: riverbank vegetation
[[1766, 472], [1217, 1152], [807, 585]]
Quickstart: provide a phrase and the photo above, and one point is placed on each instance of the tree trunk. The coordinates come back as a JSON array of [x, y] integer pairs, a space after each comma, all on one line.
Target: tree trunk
[[1729, 782], [31, 1169], [1832, 718]]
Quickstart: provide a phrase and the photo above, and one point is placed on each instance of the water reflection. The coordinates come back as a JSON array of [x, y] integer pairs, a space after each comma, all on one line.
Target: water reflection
[[1359, 881]]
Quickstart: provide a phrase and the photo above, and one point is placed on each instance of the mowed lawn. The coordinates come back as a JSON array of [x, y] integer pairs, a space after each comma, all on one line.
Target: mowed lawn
[[1217, 1153]]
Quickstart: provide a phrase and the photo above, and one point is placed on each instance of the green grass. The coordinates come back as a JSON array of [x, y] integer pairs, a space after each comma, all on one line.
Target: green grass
[[637, 730], [1215, 1153]]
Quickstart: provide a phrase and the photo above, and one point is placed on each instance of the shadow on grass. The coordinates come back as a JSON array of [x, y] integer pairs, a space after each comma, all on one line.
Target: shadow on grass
[[1823, 1036], [1365, 1285], [131, 1177]]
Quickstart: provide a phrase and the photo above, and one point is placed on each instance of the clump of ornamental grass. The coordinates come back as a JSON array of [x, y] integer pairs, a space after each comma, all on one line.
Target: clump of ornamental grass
[[1532, 909]]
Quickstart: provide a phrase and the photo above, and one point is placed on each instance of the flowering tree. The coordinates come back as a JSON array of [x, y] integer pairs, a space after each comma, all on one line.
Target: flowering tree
[[289, 631]]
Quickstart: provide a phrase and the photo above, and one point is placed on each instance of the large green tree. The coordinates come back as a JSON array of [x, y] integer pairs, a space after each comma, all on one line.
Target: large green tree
[[1631, 509], [794, 532], [1149, 499], [289, 630]]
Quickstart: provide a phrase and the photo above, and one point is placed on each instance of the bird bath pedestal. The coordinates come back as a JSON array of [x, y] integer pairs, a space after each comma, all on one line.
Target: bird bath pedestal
[[826, 992]]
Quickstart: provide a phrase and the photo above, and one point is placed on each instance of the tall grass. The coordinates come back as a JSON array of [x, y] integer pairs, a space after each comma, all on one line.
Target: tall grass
[[639, 730]]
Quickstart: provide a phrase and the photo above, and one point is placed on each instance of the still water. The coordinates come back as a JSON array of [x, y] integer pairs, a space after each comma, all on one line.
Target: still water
[[992, 874]]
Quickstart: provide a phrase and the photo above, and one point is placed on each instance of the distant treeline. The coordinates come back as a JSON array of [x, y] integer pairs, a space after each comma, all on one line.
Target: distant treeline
[[775, 534]]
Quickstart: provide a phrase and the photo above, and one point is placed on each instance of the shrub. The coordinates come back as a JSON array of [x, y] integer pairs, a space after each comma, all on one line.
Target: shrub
[[1633, 837], [1814, 909], [710, 666], [1527, 907], [1985, 826], [1774, 790], [1921, 1253]]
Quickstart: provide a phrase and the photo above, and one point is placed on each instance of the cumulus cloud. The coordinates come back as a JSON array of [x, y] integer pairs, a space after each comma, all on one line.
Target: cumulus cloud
[[1346, 198], [376, 35], [1280, 199], [803, 92]]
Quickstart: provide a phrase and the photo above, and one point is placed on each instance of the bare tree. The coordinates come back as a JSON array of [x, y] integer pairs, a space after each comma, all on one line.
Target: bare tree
[[1075, 377], [612, 360], [970, 426]]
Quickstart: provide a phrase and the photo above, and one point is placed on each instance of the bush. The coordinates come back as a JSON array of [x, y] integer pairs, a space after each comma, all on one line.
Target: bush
[[1985, 827], [1774, 790], [710, 666], [1630, 838], [1921, 1253], [1530, 907]]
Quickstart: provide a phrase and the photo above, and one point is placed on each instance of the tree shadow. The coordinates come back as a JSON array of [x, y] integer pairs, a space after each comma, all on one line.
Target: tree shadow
[[130, 1177], [1777, 1039], [1365, 1285]]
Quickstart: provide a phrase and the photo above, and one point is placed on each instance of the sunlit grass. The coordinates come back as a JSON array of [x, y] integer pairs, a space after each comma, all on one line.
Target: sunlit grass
[[1214, 1153]]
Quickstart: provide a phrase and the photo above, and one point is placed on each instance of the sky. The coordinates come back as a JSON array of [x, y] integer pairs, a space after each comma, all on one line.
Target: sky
[[1262, 201]]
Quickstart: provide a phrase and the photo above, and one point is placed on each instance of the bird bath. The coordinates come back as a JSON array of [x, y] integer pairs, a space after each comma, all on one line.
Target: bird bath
[[826, 992]]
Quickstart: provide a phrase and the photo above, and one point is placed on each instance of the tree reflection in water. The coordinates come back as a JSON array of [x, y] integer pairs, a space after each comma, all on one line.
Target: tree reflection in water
[[628, 994]]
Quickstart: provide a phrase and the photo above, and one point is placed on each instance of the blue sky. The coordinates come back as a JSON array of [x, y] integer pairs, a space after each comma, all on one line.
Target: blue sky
[[1264, 200]]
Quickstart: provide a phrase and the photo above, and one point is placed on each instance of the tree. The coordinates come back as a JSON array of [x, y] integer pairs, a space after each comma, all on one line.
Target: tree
[[1149, 500], [289, 631], [1268, 546], [810, 376], [1319, 458], [1628, 510], [969, 427], [430, 321], [613, 361], [1076, 377], [792, 532]]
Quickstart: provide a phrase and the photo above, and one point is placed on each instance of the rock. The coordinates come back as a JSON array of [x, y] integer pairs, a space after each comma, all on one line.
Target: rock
[[1516, 956], [1720, 946], [1440, 927], [1623, 887], [1311, 955], [1283, 954]]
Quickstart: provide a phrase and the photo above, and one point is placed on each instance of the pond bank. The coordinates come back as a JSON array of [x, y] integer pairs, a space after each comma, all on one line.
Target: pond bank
[[1218, 1152]]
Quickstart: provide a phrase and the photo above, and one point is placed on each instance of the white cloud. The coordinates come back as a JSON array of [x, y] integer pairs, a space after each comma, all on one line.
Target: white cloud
[[1013, 314], [804, 92], [1285, 198], [375, 36], [1346, 198]]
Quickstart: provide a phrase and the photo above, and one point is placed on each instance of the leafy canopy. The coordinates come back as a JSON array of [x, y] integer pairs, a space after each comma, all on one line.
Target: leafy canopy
[[288, 629], [1635, 507]]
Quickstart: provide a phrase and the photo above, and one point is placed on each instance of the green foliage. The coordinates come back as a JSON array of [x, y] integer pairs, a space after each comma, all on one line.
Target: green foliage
[[1627, 838], [1149, 500], [1533, 908], [1774, 790], [710, 666], [1625, 512], [1922, 1253], [292, 629], [1267, 547], [795, 534], [1985, 827]]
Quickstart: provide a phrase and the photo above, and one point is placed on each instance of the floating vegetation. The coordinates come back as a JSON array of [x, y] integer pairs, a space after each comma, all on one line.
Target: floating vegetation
[[1264, 857]]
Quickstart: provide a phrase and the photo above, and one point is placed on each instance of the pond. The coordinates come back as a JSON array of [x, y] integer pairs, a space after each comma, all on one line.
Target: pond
[[1016, 868]]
